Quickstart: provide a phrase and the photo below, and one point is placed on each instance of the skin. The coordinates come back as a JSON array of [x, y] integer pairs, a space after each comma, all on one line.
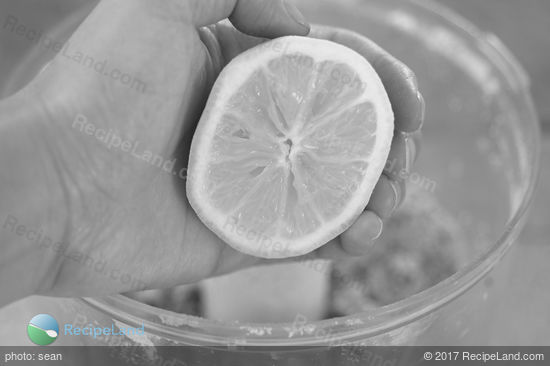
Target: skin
[[107, 206]]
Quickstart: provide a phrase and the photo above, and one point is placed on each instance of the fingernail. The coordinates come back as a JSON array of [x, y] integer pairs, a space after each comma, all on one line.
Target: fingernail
[[397, 195], [378, 232], [296, 14], [421, 114], [410, 151]]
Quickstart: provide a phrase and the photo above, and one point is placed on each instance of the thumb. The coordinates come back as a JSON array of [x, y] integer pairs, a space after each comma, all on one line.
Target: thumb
[[260, 18]]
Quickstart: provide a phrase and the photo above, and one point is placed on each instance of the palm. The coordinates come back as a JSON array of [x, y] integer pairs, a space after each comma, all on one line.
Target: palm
[[134, 211]]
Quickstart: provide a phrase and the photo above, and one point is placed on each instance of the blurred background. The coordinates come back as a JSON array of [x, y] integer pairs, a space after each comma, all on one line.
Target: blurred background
[[524, 27]]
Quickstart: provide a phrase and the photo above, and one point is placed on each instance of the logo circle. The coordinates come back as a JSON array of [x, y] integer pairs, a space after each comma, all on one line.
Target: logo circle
[[43, 329]]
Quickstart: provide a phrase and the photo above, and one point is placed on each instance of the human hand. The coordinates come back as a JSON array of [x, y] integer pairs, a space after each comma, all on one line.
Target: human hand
[[119, 207]]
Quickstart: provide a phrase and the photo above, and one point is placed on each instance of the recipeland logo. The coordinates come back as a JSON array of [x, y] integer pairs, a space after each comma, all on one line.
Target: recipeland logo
[[43, 330]]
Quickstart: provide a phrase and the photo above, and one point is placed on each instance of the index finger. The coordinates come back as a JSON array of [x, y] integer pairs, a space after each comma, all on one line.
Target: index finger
[[400, 81]]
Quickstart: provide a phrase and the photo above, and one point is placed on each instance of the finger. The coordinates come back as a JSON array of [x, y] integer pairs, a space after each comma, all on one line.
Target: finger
[[385, 198], [261, 18], [400, 82], [224, 39], [332, 250], [401, 86], [358, 239]]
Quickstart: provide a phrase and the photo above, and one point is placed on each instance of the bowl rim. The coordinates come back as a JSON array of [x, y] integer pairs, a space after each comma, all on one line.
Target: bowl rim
[[200, 331]]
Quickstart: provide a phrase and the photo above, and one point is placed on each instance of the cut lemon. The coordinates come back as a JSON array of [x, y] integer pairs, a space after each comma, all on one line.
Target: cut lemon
[[294, 137]]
